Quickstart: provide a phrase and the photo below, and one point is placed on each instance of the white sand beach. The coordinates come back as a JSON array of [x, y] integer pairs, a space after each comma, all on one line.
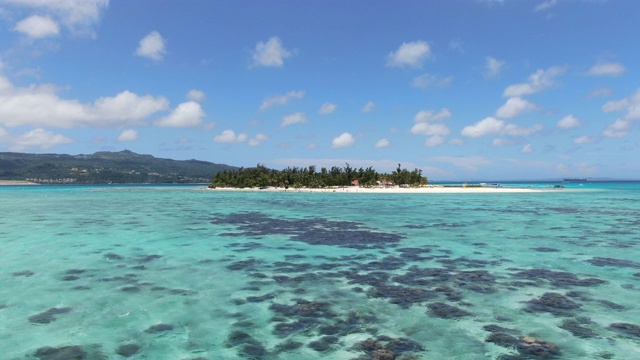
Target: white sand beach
[[435, 189], [16, 182]]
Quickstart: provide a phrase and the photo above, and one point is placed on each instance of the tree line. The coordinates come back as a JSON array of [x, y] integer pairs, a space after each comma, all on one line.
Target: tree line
[[309, 177]]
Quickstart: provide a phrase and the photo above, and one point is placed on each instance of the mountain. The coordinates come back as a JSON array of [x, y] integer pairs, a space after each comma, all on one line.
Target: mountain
[[123, 167]]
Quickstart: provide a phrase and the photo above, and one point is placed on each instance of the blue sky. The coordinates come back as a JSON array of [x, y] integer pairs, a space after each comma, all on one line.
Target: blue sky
[[474, 89]]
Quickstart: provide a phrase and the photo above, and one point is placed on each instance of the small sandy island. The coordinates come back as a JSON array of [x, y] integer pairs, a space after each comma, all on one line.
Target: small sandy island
[[434, 189], [16, 182]]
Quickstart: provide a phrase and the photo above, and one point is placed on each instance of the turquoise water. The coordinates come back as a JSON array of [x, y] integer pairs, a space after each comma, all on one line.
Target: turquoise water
[[178, 272]]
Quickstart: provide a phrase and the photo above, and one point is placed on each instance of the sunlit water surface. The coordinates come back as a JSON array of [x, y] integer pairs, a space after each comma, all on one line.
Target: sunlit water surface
[[178, 272]]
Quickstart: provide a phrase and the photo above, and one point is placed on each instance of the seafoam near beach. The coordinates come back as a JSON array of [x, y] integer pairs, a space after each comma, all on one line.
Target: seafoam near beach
[[397, 189]]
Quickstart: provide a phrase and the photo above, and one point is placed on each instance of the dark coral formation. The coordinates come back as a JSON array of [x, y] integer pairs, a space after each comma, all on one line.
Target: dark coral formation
[[48, 316], [552, 303]]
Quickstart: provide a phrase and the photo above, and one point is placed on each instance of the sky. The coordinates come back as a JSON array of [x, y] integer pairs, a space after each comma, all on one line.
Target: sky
[[462, 89]]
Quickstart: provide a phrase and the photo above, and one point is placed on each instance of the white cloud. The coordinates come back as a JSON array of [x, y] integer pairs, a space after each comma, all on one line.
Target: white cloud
[[430, 129], [569, 122], [427, 80], [327, 108], [607, 69], [526, 149], [538, 81], [501, 142], [40, 139], [429, 115], [492, 126], [456, 141], [128, 135], [77, 15], [514, 107], [311, 146], [483, 127], [39, 106], [382, 143], [600, 91], [295, 118], [196, 95], [617, 105], [187, 114], [368, 107], [279, 100], [343, 140], [152, 46], [229, 137], [492, 67], [409, 54], [585, 140], [617, 129], [434, 140], [37, 27], [468, 163], [271, 53], [545, 5], [630, 104], [258, 139]]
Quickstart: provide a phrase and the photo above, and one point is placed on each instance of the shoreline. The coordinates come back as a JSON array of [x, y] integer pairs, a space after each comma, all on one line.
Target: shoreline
[[16, 183], [395, 190]]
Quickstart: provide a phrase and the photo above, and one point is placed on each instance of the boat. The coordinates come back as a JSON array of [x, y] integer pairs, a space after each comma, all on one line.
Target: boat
[[574, 180]]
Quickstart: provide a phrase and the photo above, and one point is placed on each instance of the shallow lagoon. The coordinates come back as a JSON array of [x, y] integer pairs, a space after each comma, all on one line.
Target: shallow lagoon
[[176, 272]]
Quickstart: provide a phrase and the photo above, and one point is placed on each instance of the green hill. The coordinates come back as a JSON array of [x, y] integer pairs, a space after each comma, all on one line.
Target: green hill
[[124, 167]]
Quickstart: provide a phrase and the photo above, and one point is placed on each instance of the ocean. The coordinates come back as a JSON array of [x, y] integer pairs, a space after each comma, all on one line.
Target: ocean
[[179, 272]]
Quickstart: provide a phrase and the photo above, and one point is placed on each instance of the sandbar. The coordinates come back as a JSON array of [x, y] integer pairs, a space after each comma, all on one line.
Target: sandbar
[[435, 189]]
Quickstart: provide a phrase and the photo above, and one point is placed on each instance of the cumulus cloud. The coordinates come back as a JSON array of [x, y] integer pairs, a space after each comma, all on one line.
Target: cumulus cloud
[[37, 27], [343, 140], [434, 140], [514, 107], [493, 126], [295, 118], [270, 53], [327, 108], [607, 69], [409, 54], [230, 137], [382, 143], [40, 106], [279, 100], [128, 135], [569, 122], [429, 115], [631, 104], [40, 139], [258, 139], [77, 15], [492, 67], [585, 140], [617, 129], [428, 80], [424, 128], [196, 95], [152, 46], [187, 114], [538, 81], [526, 149], [368, 107]]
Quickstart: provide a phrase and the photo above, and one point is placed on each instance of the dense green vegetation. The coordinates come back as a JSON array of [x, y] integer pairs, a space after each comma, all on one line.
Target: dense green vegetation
[[309, 177], [124, 167]]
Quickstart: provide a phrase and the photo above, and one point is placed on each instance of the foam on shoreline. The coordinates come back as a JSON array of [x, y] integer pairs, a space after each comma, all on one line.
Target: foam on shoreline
[[394, 189]]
